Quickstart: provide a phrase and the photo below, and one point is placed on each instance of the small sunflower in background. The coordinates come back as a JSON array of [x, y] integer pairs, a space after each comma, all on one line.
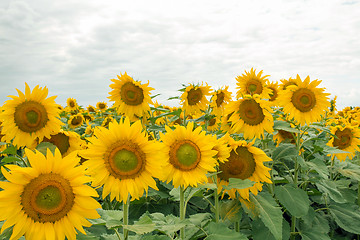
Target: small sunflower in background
[[288, 82], [304, 102], [91, 109], [71, 104], [189, 155], [345, 138], [107, 120], [252, 116], [131, 97], [101, 106], [76, 120], [29, 116], [65, 141], [219, 99], [245, 162], [123, 160], [251, 83], [213, 123], [193, 100], [274, 87], [49, 200]]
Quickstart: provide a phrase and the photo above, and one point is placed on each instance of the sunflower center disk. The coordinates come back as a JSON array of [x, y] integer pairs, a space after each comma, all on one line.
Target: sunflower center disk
[[194, 96], [131, 94], [47, 198], [303, 99], [125, 161], [60, 140], [241, 165], [220, 99], [343, 139], [251, 112], [254, 87], [76, 121], [30, 116], [184, 155], [273, 94]]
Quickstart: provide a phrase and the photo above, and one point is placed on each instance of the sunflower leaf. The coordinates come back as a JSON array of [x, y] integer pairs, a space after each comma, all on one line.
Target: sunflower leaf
[[347, 216], [10, 150], [43, 146], [217, 231], [238, 183], [295, 200]]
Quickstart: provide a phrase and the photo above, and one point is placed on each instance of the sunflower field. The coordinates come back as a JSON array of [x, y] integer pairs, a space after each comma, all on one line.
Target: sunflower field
[[274, 161]]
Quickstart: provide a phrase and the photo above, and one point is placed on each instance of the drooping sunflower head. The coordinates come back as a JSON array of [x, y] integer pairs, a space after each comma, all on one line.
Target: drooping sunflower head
[[123, 160], [304, 102], [245, 162], [65, 141], [251, 83], [219, 99], [252, 116], [189, 155], [76, 120], [131, 97], [194, 100], [49, 200], [345, 138], [71, 104], [29, 116], [102, 106]]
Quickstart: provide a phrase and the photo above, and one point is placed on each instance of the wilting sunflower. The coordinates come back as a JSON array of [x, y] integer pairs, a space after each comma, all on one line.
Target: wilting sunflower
[[76, 120], [345, 138], [251, 117], [245, 162], [305, 103], [102, 106], [71, 104], [273, 86], [131, 97], [193, 100], [189, 155], [219, 99], [123, 160], [251, 83], [49, 200], [29, 116], [65, 141]]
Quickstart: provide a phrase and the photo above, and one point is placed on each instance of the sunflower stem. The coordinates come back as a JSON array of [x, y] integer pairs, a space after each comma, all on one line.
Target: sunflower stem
[[126, 216], [237, 226], [182, 211], [216, 198]]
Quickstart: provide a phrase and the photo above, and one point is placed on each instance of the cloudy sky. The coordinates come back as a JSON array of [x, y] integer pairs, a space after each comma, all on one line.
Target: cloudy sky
[[75, 47]]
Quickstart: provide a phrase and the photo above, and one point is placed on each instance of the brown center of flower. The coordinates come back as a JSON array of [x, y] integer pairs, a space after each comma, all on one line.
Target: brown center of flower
[[241, 164], [102, 105], [220, 99], [251, 112], [212, 122], [273, 95], [287, 135], [343, 138], [125, 160], [254, 87], [72, 103], [47, 198], [131, 94], [60, 140], [184, 155], [76, 121], [303, 99], [91, 109], [194, 96], [30, 116]]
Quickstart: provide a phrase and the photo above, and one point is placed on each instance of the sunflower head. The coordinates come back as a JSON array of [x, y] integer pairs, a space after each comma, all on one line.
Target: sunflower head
[[194, 100], [288, 82], [273, 86], [251, 83], [91, 109], [76, 120], [29, 116], [101, 106], [131, 97], [65, 141], [219, 99], [71, 104]]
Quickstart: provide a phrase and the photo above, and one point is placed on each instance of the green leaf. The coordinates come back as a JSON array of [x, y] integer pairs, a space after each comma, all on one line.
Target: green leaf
[[10, 159], [282, 125], [113, 218], [10, 150], [347, 216], [238, 183], [319, 166], [330, 188], [270, 213], [285, 150], [231, 210], [218, 231], [260, 232], [43, 146], [144, 225], [313, 234], [295, 200], [332, 150], [200, 219]]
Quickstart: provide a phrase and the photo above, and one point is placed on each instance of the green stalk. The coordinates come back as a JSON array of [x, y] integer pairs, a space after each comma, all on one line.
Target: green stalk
[[182, 211], [216, 198], [126, 216]]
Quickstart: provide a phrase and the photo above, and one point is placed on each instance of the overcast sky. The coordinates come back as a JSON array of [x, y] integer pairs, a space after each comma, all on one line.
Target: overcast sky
[[75, 47]]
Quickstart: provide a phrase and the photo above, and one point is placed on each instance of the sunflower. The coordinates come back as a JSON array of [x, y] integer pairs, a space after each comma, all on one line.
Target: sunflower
[[29, 116], [305, 103], [345, 138], [123, 160], [288, 82], [219, 99], [222, 147], [49, 200], [333, 105], [131, 97], [102, 106], [71, 104], [213, 123], [251, 83], [251, 117], [65, 141], [189, 155], [107, 121], [193, 100], [245, 162], [273, 86], [76, 120], [91, 109]]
